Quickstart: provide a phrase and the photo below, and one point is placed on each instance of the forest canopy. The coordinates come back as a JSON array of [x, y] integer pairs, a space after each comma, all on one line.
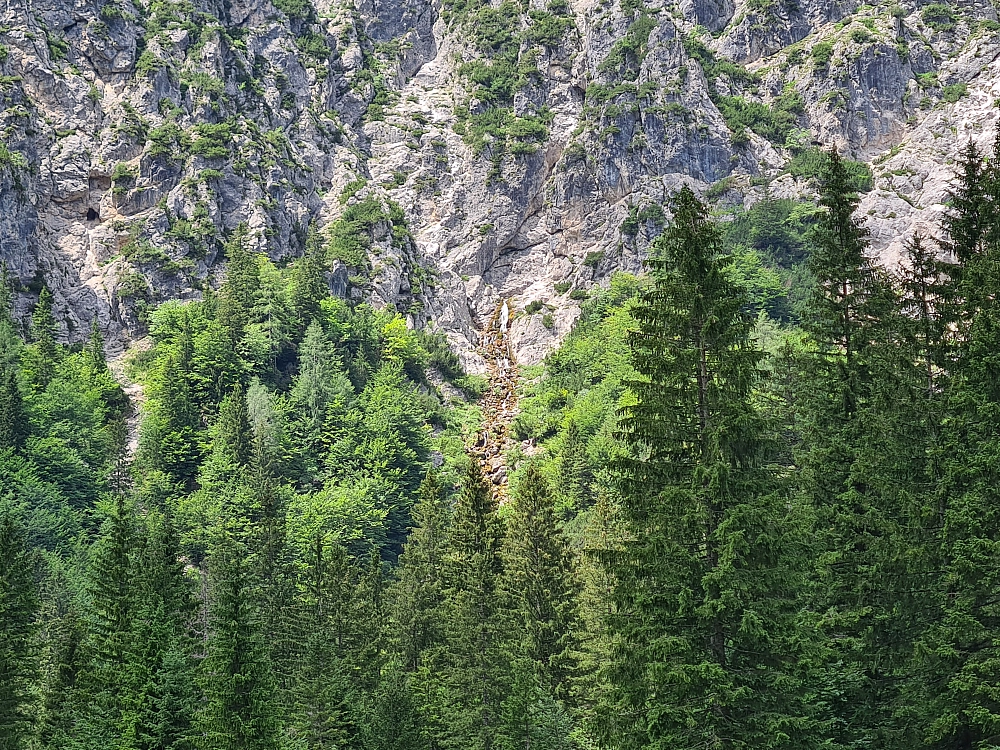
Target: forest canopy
[[753, 505]]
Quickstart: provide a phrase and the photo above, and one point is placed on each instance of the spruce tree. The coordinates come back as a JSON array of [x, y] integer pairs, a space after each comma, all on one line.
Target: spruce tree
[[159, 698], [112, 595], [706, 584], [325, 628], [43, 334], [541, 575], [419, 592], [854, 455], [308, 281], [574, 469], [18, 606], [238, 295], [13, 419], [954, 676], [475, 656], [239, 712]]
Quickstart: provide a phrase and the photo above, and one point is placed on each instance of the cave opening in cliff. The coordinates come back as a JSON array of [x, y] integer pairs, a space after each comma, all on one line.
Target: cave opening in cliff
[[91, 214]]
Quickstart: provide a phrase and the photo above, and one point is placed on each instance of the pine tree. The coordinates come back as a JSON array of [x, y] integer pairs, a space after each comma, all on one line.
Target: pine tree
[[540, 568], [239, 711], [232, 440], [326, 629], [18, 606], [112, 594], [322, 387], [419, 592], [159, 699], [953, 680], [705, 617], [855, 462], [95, 348]]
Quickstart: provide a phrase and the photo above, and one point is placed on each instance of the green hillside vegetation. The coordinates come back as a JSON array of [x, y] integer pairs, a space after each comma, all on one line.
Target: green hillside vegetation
[[753, 505]]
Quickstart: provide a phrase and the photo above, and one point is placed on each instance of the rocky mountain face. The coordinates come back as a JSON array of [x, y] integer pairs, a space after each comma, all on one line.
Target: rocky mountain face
[[453, 154]]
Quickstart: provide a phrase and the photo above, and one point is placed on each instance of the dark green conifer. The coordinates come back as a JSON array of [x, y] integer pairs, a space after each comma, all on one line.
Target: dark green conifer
[[18, 606], [238, 295], [574, 469], [475, 653], [43, 334], [706, 583], [308, 280], [13, 420], [541, 576], [239, 710], [419, 591]]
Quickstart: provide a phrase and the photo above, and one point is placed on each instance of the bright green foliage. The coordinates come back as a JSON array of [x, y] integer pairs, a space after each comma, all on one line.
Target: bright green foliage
[[18, 604], [706, 586]]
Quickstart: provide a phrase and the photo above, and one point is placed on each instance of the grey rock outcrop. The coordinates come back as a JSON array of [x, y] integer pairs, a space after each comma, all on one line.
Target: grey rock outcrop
[[137, 135]]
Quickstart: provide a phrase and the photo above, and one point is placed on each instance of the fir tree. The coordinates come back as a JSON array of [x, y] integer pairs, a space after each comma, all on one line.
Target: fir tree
[[322, 387], [326, 630], [239, 711], [18, 605], [308, 282], [541, 576], [705, 618], [43, 334], [574, 469], [239, 292], [475, 652], [13, 420], [852, 406], [419, 592], [159, 700], [95, 349]]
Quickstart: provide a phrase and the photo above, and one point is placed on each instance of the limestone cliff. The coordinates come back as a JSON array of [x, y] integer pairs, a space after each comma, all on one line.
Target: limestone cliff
[[486, 150]]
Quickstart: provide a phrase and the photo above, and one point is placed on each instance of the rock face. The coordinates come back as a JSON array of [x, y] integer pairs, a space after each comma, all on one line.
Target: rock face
[[502, 150]]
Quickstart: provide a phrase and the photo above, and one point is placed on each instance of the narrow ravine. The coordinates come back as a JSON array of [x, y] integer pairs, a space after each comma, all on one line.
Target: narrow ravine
[[500, 401]]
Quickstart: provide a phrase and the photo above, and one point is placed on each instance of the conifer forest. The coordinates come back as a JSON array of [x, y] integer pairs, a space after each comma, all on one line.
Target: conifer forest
[[759, 509]]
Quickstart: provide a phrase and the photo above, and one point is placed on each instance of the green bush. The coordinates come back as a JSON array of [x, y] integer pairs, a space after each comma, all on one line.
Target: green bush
[[294, 8], [822, 53], [212, 139], [534, 306], [561, 287], [594, 258], [860, 36], [939, 17], [953, 92], [810, 163]]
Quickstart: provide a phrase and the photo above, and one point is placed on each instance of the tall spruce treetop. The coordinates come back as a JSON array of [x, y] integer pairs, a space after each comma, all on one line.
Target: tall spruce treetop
[[849, 300], [239, 292], [705, 616], [43, 333]]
